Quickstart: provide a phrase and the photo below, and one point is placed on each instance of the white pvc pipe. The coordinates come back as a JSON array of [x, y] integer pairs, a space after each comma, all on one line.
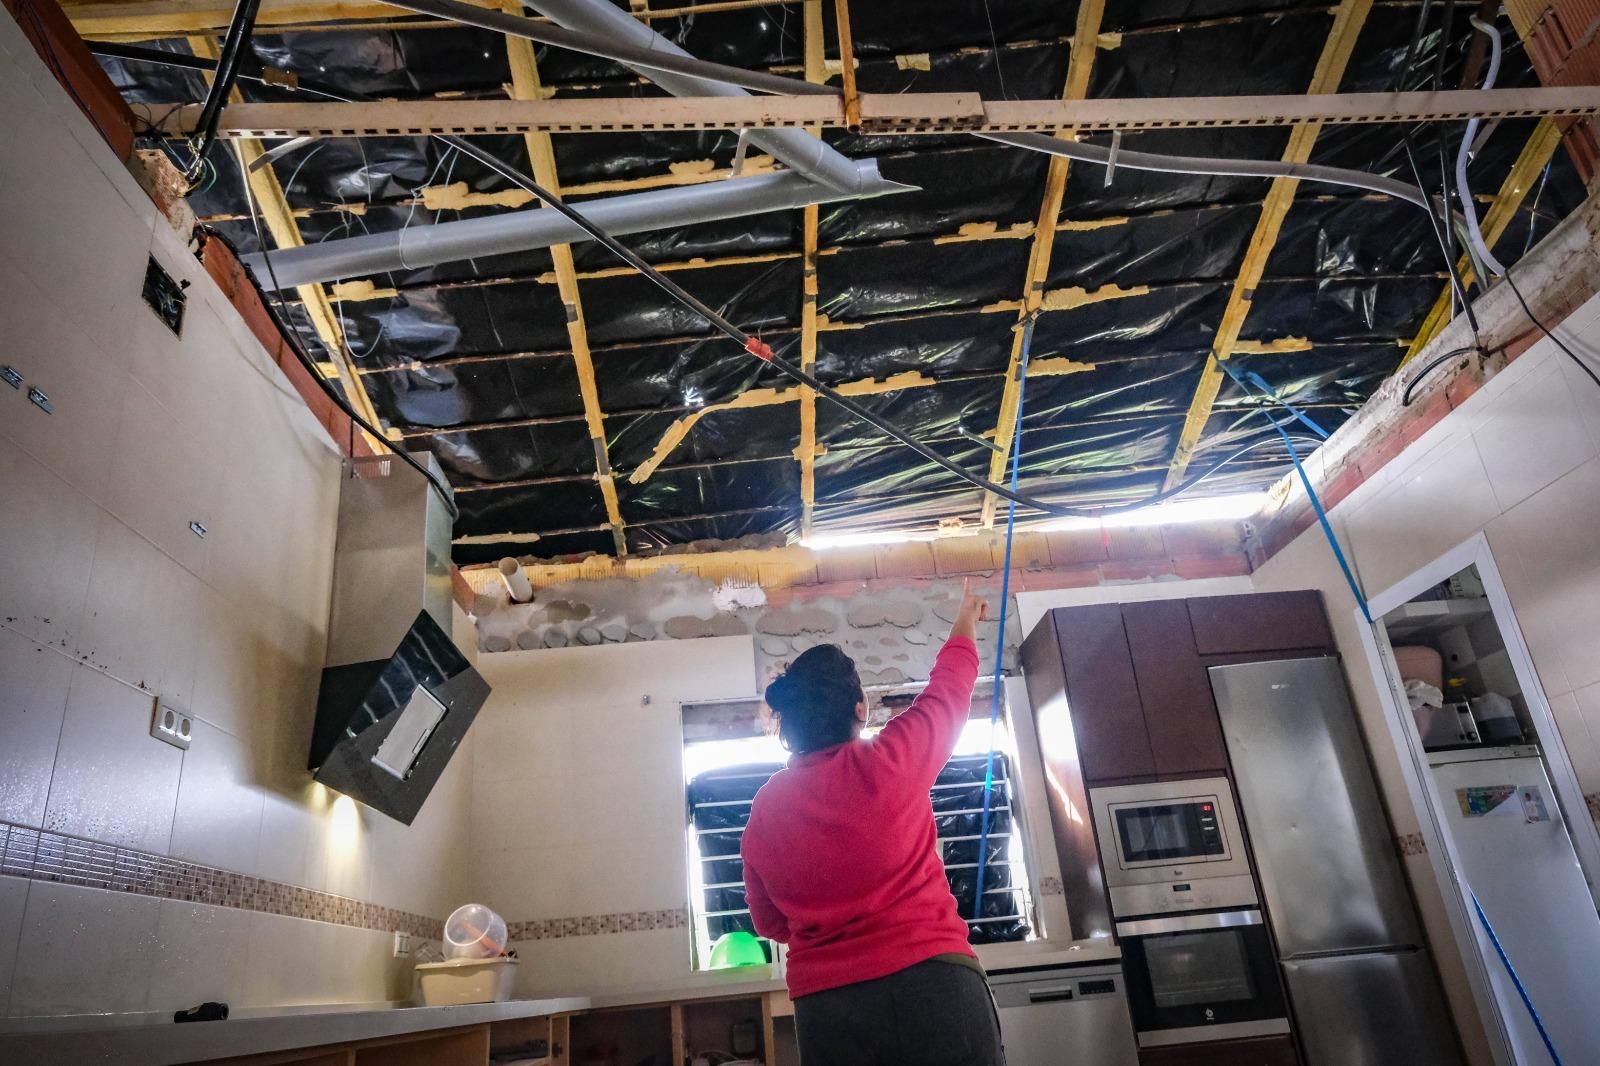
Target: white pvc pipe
[[517, 583], [1469, 210]]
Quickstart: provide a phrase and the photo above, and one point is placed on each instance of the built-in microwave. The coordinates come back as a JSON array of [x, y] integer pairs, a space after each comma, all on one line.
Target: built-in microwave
[[1171, 846]]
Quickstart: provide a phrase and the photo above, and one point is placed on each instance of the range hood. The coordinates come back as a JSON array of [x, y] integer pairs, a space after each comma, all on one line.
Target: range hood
[[397, 695]]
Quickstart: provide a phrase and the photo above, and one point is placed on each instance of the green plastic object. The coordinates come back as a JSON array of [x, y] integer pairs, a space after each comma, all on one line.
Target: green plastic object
[[735, 949]]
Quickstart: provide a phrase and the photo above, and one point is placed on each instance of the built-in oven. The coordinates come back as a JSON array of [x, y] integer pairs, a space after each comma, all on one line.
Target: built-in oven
[[1201, 976], [1171, 846]]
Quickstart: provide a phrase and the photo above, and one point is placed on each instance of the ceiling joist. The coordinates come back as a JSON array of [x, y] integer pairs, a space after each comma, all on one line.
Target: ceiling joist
[[1347, 23], [881, 113], [541, 154], [1080, 66]]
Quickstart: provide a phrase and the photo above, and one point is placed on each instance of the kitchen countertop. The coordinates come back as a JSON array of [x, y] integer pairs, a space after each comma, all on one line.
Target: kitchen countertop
[[756, 981], [160, 1045]]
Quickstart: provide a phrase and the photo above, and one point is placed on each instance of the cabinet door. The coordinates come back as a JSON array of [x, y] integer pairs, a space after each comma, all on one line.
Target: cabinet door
[[1260, 1051], [1269, 621], [1179, 712], [1102, 696]]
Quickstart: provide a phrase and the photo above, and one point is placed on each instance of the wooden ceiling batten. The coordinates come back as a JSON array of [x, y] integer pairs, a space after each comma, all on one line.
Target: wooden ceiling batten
[[1348, 21]]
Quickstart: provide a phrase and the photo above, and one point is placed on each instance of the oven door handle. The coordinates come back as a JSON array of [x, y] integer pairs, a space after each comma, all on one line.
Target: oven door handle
[[1189, 923]]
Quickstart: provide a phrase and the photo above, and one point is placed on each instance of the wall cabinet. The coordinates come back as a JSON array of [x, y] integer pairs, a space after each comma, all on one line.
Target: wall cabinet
[[1135, 674]]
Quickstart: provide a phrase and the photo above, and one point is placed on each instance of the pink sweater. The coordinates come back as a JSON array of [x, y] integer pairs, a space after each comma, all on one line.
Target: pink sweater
[[841, 858]]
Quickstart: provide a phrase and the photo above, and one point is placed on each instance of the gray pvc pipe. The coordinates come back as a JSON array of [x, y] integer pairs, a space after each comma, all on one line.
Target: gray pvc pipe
[[1239, 168], [521, 231], [652, 58], [797, 149]]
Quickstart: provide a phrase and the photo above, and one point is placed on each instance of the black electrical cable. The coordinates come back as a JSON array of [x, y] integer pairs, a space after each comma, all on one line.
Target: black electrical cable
[[1585, 367], [1433, 364], [280, 317], [234, 44]]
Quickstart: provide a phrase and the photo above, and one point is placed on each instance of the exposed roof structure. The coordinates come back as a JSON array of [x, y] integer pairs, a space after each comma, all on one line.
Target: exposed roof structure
[[576, 409]]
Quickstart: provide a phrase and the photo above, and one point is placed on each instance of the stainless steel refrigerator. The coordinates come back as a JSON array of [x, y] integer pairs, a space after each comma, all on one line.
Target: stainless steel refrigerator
[[1514, 851], [1361, 985]]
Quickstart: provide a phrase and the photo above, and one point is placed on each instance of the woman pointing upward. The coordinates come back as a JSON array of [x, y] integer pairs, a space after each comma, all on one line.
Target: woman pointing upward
[[841, 863]]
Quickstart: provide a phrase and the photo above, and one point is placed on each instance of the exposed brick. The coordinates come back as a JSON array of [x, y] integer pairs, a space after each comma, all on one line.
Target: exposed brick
[[1138, 542], [1212, 565], [963, 555], [846, 564], [1083, 575], [911, 559], [1072, 546], [1136, 570], [1347, 480], [1029, 551], [1193, 539]]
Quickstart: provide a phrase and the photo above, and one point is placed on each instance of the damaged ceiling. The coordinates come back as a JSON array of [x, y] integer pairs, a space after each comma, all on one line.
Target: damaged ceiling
[[918, 294]]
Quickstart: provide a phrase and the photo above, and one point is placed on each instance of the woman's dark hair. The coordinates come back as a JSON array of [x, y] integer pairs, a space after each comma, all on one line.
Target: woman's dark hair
[[816, 699]]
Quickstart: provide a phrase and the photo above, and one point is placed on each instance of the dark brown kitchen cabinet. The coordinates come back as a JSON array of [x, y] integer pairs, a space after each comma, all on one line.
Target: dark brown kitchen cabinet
[[1261, 1051], [1174, 689], [1102, 696], [1277, 621]]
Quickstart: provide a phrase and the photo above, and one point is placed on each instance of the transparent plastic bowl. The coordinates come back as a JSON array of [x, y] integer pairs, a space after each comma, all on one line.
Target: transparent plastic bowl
[[474, 932]]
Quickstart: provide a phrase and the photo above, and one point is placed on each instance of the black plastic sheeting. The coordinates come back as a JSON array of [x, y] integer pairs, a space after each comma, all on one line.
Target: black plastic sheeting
[[719, 809], [473, 358]]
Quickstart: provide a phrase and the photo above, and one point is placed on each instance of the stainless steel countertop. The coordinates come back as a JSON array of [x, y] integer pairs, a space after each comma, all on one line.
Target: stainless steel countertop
[[162, 1045]]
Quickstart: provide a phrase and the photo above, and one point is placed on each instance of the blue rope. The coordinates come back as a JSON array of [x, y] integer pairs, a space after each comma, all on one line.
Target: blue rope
[[1305, 480], [1000, 640], [1538, 1023]]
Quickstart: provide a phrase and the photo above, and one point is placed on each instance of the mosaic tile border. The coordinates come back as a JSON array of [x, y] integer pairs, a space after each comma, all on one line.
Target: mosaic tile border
[[40, 855], [1592, 801], [596, 924]]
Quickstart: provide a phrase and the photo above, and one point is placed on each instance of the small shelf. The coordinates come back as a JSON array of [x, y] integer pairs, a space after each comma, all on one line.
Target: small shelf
[[1421, 617]]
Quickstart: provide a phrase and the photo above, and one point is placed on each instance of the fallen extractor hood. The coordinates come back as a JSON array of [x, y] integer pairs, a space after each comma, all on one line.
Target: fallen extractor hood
[[397, 694]]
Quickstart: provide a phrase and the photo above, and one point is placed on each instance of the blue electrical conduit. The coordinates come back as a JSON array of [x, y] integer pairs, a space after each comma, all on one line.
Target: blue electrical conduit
[[1005, 599], [1245, 379], [1305, 481], [1538, 1023]]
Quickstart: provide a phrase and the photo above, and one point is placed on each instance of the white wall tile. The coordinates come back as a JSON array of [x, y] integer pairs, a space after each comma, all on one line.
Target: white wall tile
[[49, 531], [142, 618], [293, 962], [1587, 764], [83, 951], [199, 956], [13, 903], [113, 782], [1533, 435], [218, 819], [586, 965], [1438, 503], [1552, 575], [159, 481], [33, 700], [284, 851], [48, 347]]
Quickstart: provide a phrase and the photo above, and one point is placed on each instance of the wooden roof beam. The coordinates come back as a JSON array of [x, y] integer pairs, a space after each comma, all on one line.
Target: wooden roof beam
[[280, 222], [1348, 20], [525, 86], [880, 113], [816, 71], [1085, 42]]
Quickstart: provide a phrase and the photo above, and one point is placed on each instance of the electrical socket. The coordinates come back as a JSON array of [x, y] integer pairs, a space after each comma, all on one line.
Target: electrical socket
[[172, 726], [402, 945]]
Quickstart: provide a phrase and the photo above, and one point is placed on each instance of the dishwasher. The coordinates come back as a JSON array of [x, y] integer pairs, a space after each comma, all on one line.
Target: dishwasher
[[1065, 1016]]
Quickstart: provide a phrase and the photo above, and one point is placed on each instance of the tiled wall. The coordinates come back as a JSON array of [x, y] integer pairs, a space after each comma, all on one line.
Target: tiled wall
[[107, 599], [578, 805], [1520, 461]]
